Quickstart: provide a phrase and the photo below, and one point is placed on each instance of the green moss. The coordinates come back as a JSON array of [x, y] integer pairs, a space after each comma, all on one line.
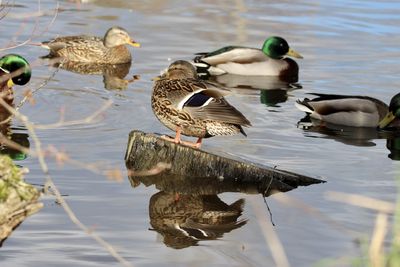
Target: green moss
[[11, 177]]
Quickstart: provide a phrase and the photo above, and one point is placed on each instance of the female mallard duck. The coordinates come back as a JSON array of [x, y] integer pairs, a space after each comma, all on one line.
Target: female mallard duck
[[193, 107], [91, 49], [14, 69], [270, 60], [357, 111]]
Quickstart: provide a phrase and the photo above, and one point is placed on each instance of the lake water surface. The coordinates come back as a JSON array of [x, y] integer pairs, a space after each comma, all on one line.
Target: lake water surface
[[349, 47]]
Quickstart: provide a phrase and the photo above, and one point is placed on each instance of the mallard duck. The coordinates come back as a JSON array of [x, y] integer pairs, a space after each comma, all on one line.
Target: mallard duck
[[14, 69], [91, 49], [270, 60], [193, 107], [356, 111]]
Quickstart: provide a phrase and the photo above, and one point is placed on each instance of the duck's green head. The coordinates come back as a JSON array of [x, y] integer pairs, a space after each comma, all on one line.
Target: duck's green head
[[17, 67], [277, 47], [394, 112]]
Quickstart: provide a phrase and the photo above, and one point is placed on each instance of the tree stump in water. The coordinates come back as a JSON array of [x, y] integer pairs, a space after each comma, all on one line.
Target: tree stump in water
[[201, 172]]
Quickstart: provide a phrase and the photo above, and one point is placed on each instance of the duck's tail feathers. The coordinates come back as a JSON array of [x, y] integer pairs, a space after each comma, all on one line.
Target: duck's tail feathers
[[303, 105], [202, 69], [199, 57], [237, 205], [242, 131]]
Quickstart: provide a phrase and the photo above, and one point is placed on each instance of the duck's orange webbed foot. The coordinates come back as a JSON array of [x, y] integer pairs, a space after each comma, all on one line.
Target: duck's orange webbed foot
[[177, 140]]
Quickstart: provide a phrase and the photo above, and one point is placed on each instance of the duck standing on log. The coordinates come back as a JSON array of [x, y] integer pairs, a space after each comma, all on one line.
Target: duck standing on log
[[193, 107]]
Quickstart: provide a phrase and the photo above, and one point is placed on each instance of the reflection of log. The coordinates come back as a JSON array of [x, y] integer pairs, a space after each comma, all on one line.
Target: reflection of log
[[146, 150]]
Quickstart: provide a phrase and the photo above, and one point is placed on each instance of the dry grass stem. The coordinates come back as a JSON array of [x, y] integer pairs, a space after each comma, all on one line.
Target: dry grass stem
[[270, 235], [376, 251], [362, 201]]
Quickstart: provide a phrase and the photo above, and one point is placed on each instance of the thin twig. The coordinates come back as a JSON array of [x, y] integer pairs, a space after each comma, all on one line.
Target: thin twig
[[43, 84], [89, 119], [269, 211]]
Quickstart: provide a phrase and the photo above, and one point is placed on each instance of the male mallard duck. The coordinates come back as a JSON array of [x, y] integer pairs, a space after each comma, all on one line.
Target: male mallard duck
[[357, 111], [14, 69], [270, 60], [91, 49], [193, 107]]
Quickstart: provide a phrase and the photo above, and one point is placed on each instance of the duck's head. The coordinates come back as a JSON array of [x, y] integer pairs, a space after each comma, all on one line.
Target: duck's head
[[116, 36], [394, 112], [181, 69], [277, 47], [15, 69]]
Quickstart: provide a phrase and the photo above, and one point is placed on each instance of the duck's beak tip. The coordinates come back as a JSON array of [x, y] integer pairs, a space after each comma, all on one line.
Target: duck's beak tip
[[134, 44]]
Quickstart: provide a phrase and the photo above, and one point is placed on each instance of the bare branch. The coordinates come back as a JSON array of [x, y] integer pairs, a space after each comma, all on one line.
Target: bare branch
[[33, 34], [49, 182]]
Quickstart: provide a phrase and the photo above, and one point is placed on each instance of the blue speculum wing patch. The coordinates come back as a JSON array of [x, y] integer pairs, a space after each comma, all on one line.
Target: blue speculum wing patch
[[197, 100]]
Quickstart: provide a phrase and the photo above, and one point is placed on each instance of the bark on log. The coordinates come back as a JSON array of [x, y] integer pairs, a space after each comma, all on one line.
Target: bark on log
[[195, 171]]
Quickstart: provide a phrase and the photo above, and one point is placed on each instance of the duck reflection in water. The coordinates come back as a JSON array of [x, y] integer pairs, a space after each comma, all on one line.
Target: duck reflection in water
[[113, 75], [272, 89], [193, 218], [199, 214]]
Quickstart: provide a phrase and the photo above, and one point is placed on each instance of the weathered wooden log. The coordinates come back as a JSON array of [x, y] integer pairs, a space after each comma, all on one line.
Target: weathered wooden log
[[195, 171], [18, 199]]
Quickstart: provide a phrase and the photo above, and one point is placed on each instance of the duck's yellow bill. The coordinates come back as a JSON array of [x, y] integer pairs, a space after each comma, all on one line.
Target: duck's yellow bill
[[292, 53], [386, 120], [10, 83], [157, 78], [134, 44]]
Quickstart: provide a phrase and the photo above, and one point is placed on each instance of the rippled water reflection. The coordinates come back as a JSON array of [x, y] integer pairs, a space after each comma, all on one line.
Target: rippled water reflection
[[348, 48]]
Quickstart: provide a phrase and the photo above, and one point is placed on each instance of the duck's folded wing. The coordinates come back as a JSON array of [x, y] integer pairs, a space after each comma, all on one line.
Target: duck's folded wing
[[180, 91], [349, 104], [242, 55], [62, 42], [203, 106]]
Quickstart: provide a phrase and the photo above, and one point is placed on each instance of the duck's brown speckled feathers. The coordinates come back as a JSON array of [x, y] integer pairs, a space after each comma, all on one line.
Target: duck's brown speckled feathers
[[92, 49], [197, 107]]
